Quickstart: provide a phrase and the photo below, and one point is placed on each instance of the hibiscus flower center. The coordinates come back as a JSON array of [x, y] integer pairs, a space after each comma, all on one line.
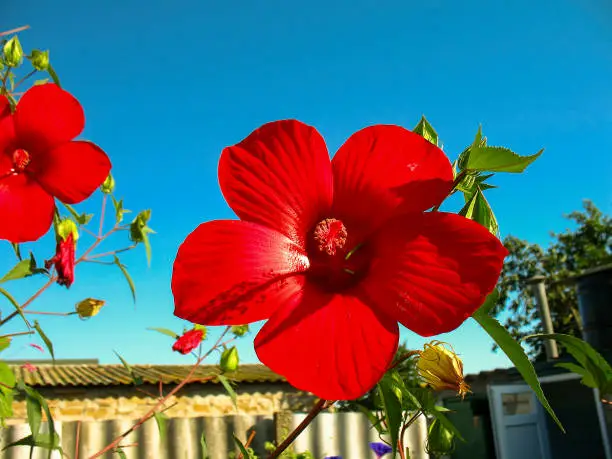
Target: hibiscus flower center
[[21, 159], [336, 262]]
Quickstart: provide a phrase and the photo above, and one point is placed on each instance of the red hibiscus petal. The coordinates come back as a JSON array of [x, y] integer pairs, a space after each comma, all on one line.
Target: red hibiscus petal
[[72, 171], [332, 345], [26, 210], [47, 116], [432, 271], [7, 135], [234, 272], [279, 176], [385, 170]]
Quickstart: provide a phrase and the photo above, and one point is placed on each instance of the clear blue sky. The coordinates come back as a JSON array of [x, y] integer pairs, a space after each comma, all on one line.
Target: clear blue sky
[[166, 85]]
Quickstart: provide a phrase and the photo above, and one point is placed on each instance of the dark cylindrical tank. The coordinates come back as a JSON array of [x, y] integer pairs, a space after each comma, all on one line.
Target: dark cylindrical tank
[[595, 303]]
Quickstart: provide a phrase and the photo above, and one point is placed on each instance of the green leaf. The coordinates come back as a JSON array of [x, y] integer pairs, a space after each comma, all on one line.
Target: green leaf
[[426, 130], [5, 342], [45, 339], [392, 407], [164, 331], [442, 419], [595, 369], [127, 276], [30, 392], [135, 378], [587, 378], [489, 303], [479, 210], [498, 159], [204, 446], [7, 378], [119, 210], [12, 300], [17, 250], [229, 389], [243, 450], [6, 406], [44, 440], [34, 413], [81, 219], [517, 355], [19, 271], [120, 453], [162, 425], [53, 75]]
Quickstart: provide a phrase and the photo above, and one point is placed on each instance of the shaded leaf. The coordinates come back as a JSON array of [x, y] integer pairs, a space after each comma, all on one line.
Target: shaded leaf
[[164, 331], [44, 440], [587, 378], [34, 413], [479, 210], [596, 371], [243, 451], [498, 159], [45, 339], [127, 276], [229, 389], [517, 355], [392, 407], [119, 452]]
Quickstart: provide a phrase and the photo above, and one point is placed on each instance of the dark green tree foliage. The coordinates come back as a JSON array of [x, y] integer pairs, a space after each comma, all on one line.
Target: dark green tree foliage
[[587, 245]]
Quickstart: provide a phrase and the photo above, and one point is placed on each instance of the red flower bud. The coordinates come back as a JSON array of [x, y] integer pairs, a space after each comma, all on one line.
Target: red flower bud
[[188, 342], [64, 260]]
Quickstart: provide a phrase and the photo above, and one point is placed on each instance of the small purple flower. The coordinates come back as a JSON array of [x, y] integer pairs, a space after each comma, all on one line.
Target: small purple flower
[[380, 449]]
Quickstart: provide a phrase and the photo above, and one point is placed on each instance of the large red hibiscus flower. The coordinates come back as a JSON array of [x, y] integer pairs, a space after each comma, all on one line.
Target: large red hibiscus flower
[[335, 253], [39, 161]]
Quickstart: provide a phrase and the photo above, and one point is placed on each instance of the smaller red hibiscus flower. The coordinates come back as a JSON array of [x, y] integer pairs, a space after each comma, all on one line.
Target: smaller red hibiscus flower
[[40, 161], [188, 341], [63, 259]]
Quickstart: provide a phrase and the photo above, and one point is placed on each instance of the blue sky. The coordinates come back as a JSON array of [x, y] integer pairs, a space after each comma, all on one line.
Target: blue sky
[[166, 86]]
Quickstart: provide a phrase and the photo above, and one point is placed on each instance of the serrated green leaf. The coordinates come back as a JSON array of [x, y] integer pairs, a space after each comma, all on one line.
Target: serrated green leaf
[[16, 305], [127, 276], [137, 380], [53, 75], [34, 413], [596, 370], [119, 210], [517, 355], [498, 159], [45, 339], [81, 219], [243, 450], [164, 331], [162, 425], [19, 271], [229, 389], [426, 130], [392, 408]]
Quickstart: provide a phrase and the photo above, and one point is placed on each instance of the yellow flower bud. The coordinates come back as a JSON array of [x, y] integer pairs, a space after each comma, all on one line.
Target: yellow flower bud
[[89, 307], [441, 368]]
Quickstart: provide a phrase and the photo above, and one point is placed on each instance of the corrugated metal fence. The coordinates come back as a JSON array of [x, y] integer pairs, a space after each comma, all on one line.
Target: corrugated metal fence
[[344, 434]]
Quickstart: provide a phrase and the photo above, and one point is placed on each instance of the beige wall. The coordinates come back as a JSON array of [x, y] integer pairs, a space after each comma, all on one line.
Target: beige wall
[[195, 400]]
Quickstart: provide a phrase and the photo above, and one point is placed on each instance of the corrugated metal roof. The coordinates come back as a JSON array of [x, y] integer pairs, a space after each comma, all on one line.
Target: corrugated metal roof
[[62, 375]]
